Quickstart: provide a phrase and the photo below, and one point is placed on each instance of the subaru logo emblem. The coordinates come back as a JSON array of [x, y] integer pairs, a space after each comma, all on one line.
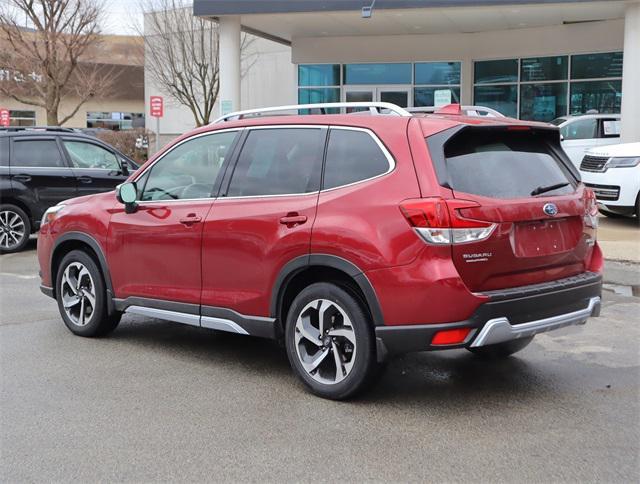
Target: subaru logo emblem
[[550, 209]]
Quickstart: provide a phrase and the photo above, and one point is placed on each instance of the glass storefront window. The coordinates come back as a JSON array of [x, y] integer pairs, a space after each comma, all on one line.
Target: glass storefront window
[[602, 96], [319, 75], [319, 95], [22, 118], [495, 71], [424, 96], [438, 73], [115, 121], [544, 69], [501, 98], [377, 73], [543, 102], [594, 66]]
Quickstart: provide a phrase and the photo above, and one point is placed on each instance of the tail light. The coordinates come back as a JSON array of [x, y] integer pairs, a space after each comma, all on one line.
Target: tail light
[[590, 209], [438, 221]]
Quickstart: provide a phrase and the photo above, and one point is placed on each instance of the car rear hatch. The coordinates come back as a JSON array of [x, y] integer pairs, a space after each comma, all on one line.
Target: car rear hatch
[[515, 181]]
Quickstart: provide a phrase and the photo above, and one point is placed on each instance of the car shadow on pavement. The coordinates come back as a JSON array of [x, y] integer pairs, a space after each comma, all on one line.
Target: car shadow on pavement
[[455, 380]]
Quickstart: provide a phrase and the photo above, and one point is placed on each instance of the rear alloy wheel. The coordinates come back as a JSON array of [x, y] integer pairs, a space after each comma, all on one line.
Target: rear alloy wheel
[[81, 296], [15, 229], [329, 341]]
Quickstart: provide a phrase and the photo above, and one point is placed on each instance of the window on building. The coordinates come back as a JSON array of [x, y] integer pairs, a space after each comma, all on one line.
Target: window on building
[[318, 83], [116, 121], [600, 96], [352, 156], [389, 73], [544, 88], [436, 79], [278, 161], [22, 118], [495, 85]]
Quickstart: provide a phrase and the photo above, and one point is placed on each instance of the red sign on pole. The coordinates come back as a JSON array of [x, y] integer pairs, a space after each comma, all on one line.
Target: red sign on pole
[[157, 106], [5, 117]]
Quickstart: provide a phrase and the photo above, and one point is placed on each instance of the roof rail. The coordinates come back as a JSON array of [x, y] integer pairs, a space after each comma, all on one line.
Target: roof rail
[[481, 111], [38, 128], [374, 108]]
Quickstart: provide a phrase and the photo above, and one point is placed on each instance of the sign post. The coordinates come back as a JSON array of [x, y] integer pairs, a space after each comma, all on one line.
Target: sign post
[[156, 110], [5, 117]]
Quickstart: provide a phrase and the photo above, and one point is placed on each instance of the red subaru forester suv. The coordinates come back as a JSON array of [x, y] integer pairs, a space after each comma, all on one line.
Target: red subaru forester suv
[[349, 237]]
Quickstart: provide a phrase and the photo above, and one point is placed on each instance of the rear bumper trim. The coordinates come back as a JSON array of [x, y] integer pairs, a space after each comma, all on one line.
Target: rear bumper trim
[[499, 330]]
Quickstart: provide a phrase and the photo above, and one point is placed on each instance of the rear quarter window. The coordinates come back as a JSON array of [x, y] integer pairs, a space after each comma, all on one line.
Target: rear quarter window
[[504, 164], [353, 156]]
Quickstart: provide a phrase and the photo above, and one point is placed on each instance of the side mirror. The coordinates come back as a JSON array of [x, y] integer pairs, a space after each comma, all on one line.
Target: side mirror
[[561, 138], [127, 193]]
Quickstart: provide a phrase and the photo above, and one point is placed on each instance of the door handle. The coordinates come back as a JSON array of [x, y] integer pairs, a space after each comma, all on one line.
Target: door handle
[[22, 178], [85, 179], [293, 219], [190, 220]]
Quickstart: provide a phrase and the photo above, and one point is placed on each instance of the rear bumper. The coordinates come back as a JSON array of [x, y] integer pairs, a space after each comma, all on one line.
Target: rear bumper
[[509, 314]]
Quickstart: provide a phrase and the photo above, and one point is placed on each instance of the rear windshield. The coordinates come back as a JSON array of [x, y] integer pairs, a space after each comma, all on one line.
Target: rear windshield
[[505, 164]]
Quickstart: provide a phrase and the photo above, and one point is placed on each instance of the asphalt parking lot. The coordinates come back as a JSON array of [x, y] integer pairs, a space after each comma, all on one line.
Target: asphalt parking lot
[[161, 401]]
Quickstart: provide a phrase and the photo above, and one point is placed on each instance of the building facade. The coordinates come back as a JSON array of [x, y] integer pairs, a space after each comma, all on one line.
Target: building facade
[[122, 110], [530, 60]]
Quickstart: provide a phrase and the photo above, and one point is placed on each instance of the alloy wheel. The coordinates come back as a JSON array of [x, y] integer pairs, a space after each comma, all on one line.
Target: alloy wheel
[[325, 341], [78, 293], [12, 229]]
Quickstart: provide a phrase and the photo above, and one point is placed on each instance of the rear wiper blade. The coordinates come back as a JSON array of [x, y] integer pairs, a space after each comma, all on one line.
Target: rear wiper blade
[[549, 188]]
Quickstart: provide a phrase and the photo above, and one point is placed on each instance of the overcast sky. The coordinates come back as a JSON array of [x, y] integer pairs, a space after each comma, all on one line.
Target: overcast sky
[[121, 16]]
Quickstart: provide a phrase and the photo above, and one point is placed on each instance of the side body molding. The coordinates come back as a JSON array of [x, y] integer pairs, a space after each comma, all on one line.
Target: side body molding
[[297, 265], [102, 261]]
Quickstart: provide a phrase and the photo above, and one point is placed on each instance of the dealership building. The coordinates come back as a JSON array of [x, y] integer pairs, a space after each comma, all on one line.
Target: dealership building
[[530, 60]]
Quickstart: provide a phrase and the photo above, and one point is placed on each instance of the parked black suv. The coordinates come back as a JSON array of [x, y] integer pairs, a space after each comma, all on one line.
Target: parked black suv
[[40, 167]]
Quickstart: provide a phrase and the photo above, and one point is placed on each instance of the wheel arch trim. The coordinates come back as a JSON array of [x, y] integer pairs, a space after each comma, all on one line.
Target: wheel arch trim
[[102, 261], [299, 264]]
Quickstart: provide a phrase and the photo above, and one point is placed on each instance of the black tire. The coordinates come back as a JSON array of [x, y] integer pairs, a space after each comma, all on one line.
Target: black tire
[[24, 224], [99, 323], [501, 350], [363, 365]]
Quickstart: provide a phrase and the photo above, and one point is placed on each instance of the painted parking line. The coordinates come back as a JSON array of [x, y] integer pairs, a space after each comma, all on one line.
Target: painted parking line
[[19, 276]]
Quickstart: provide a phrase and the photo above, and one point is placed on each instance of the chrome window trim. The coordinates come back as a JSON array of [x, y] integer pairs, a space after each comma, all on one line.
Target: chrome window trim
[[199, 135], [390, 160]]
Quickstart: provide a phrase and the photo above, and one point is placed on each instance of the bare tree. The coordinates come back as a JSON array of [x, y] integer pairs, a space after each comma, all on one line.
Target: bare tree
[[181, 55], [49, 62]]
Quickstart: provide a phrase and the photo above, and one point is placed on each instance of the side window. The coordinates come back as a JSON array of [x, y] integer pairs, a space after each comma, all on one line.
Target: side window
[[36, 153], [580, 129], [88, 155], [4, 151], [189, 170], [610, 128], [278, 161], [352, 156]]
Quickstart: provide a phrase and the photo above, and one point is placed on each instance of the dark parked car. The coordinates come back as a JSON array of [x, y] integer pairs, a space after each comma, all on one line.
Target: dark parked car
[[40, 167]]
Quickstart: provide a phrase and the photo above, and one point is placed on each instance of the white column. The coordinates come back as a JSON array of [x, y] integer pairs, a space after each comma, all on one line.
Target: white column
[[229, 66], [631, 75]]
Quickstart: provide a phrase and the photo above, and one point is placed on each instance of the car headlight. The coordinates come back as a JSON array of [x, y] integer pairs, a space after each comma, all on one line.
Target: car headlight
[[51, 214], [623, 162]]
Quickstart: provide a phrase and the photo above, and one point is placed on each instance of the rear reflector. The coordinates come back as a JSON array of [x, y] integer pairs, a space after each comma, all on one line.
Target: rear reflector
[[438, 221], [450, 336]]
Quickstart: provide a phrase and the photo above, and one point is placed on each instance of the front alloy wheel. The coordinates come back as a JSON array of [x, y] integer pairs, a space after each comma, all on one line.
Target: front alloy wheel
[[78, 294], [329, 341]]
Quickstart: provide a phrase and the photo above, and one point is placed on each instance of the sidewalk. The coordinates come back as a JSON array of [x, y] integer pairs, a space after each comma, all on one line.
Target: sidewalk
[[619, 239]]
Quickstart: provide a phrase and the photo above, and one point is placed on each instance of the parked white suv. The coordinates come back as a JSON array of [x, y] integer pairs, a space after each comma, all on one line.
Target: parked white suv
[[613, 172], [586, 131]]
